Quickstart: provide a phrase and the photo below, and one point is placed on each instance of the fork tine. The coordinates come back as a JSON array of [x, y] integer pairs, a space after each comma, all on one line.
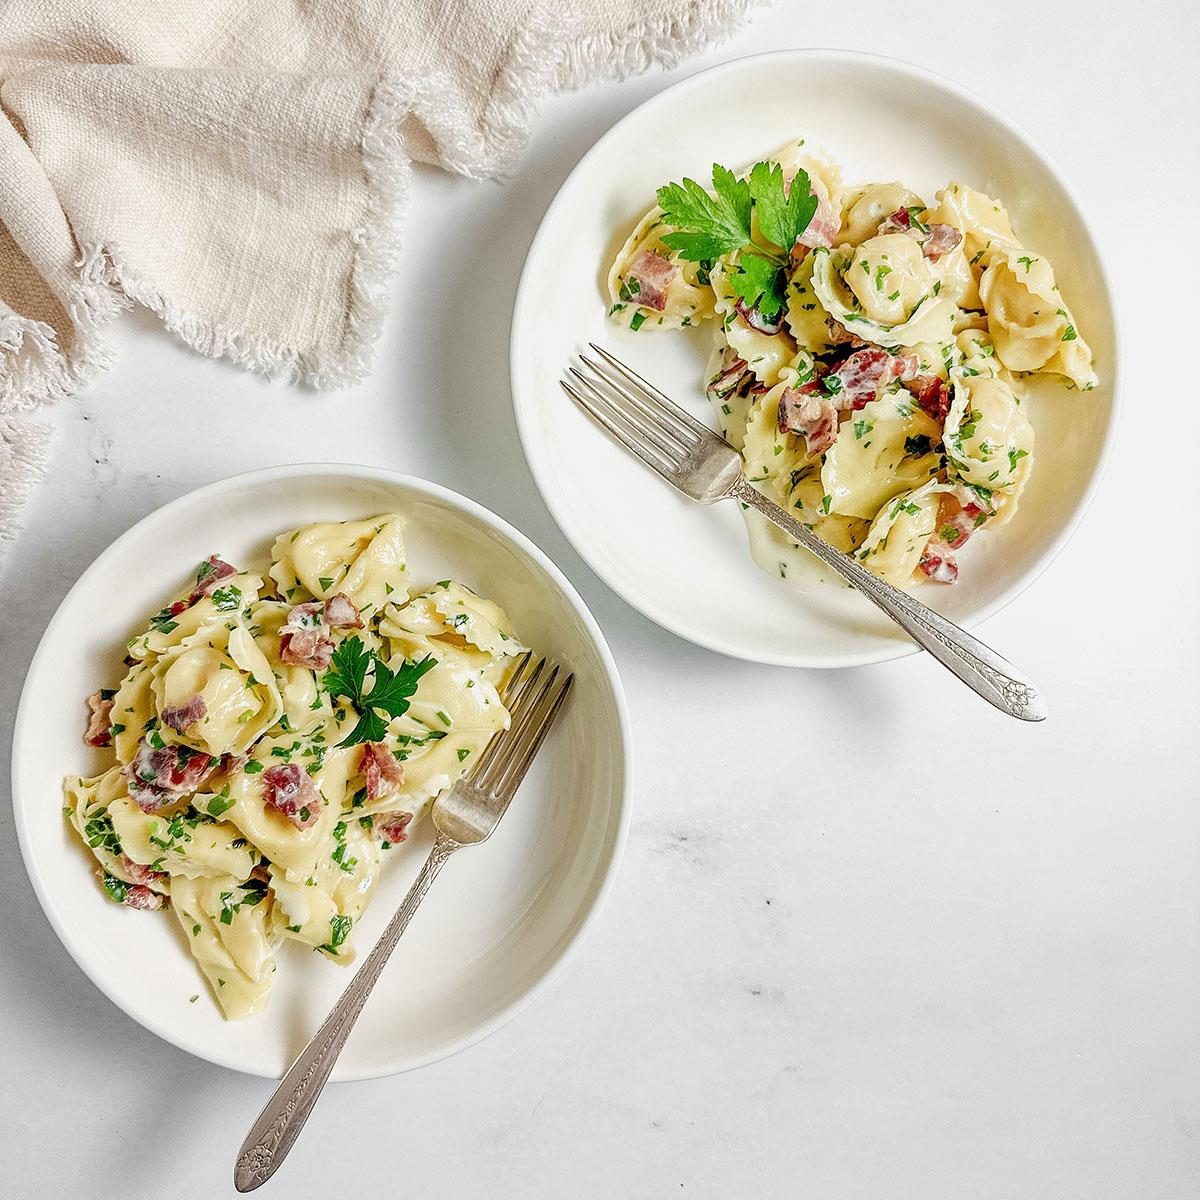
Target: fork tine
[[531, 743], [679, 434], [627, 440], [516, 702], [510, 688], [653, 394], [669, 445], [511, 743]]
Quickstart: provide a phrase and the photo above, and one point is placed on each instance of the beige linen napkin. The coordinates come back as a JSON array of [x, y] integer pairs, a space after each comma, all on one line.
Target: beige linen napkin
[[239, 167]]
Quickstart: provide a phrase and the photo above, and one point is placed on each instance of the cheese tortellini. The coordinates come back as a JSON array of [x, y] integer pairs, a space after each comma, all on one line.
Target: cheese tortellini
[[874, 374], [277, 734]]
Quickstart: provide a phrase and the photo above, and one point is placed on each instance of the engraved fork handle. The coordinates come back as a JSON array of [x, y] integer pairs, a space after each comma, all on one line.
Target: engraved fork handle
[[280, 1122], [978, 666]]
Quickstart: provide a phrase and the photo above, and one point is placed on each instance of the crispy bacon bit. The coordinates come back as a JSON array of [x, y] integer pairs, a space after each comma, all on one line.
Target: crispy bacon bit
[[941, 568], [955, 522], [139, 872], [305, 648], [730, 377], [653, 274], [898, 222], [864, 372], [230, 762], [183, 716], [210, 573], [839, 335], [940, 240], [137, 895], [161, 775], [381, 770], [392, 827], [304, 640], [99, 719], [288, 789], [808, 411], [756, 320], [342, 613], [936, 239], [933, 395], [822, 230]]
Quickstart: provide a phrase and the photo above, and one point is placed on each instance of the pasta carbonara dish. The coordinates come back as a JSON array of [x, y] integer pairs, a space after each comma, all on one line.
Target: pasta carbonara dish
[[276, 734], [871, 351]]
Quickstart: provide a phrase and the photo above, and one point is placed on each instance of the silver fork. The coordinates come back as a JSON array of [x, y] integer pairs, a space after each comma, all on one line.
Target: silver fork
[[464, 816], [706, 468]]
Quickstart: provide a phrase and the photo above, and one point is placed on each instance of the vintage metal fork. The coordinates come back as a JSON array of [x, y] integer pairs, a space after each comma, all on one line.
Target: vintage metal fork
[[464, 816], [706, 468]]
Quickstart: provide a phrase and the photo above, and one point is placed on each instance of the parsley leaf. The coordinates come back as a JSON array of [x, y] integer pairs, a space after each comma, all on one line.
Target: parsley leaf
[[703, 225], [783, 213], [348, 671], [759, 283], [390, 690]]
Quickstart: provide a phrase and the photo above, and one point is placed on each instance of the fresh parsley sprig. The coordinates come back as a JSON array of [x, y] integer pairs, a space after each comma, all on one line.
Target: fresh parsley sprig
[[706, 225], [388, 695]]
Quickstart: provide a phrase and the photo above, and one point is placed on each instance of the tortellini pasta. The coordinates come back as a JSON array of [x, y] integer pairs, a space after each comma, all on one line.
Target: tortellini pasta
[[874, 374], [277, 734], [645, 284], [364, 560], [1029, 322]]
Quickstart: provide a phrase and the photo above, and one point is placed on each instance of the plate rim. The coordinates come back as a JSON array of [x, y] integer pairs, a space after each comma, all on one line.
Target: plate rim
[[660, 613], [623, 796]]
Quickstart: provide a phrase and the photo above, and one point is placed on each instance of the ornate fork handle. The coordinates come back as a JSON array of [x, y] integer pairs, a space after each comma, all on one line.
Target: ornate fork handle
[[978, 666], [280, 1122]]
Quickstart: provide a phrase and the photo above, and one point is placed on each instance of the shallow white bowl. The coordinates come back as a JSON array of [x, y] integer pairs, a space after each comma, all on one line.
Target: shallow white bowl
[[688, 567], [502, 917]]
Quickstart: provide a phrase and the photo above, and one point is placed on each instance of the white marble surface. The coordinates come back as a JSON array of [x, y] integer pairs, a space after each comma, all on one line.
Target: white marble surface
[[930, 953]]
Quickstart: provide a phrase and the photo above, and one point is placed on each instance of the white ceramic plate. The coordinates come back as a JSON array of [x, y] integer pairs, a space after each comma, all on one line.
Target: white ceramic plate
[[502, 917], [688, 567]]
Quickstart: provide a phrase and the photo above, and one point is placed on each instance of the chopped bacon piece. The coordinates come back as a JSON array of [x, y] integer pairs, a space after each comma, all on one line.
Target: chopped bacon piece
[[808, 411], [955, 522], [230, 762], [653, 274], [936, 239], [756, 320], [161, 775], [304, 640], [940, 240], [139, 872], [941, 568], [864, 372], [933, 395], [860, 375], [839, 335], [823, 228], [288, 789], [99, 719], [183, 716], [307, 616], [138, 895], [898, 222], [210, 573], [342, 613], [729, 378], [381, 770], [392, 827], [305, 648]]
